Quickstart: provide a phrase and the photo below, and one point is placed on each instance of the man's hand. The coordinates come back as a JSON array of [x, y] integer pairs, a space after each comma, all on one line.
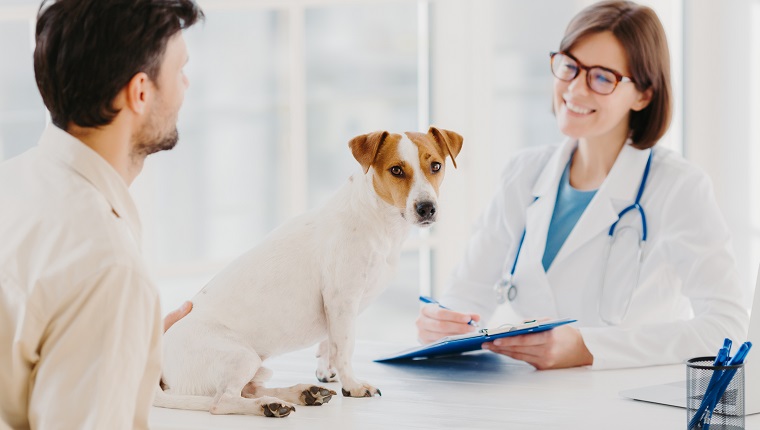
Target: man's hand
[[177, 315], [558, 348]]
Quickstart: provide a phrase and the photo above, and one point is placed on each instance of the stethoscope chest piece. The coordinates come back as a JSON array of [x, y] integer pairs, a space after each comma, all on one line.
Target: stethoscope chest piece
[[505, 289]]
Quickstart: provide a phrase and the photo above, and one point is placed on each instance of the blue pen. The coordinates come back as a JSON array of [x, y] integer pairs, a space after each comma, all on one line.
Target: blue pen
[[720, 360], [725, 379], [426, 299], [727, 344]]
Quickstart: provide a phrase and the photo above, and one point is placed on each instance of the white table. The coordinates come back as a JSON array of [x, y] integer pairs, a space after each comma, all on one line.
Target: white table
[[483, 391]]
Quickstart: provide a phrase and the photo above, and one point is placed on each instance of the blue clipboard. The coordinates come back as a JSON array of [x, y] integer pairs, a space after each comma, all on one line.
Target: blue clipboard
[[472, 341]]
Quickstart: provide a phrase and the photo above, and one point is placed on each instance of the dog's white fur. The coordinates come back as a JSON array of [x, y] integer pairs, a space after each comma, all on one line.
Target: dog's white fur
[[305, 283]]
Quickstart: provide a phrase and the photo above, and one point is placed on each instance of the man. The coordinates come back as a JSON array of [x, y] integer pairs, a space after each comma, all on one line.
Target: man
[[80, 325]]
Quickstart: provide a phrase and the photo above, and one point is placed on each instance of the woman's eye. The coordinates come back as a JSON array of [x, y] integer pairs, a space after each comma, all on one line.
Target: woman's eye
[[435, 166], [603, 78], [397, 171], [570, 68]]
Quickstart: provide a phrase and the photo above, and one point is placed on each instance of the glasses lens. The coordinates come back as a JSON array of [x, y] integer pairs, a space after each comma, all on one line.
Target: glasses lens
[[564, 67], [601, 81]]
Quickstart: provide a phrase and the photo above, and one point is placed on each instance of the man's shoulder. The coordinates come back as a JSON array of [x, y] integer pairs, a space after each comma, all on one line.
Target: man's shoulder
[[34, 179], [53, 217]]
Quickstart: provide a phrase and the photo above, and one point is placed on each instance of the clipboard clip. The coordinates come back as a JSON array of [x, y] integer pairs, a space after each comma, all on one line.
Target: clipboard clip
[[506, 328]]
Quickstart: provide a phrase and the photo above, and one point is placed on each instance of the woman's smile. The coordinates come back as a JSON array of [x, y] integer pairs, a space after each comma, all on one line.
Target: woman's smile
[[578, 109]]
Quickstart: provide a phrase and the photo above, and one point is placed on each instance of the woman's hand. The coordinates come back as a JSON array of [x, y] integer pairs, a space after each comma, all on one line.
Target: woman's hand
[[436, 322], [177, 315], [558, 348]]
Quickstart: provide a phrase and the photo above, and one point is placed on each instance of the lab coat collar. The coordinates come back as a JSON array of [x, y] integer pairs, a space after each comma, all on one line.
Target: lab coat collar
[[618, 185], [621, 185], [546, 185], [96, 170], [624, 179]]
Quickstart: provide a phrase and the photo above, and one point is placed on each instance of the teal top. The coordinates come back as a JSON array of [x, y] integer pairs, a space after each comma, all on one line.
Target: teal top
[[567, 210]]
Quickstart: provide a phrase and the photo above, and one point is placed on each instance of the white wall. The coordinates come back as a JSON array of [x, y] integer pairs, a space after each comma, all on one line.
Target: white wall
[[718, 132]]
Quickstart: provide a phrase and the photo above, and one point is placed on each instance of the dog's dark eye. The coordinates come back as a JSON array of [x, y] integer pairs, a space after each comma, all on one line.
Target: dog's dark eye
[[435, 166], [397, 171]]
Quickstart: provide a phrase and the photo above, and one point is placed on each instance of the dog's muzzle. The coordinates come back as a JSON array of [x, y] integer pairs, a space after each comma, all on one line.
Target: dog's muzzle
[[426, 211]]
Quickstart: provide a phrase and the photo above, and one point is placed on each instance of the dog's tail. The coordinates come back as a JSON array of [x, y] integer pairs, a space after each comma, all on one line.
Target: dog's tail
[[179, 401]]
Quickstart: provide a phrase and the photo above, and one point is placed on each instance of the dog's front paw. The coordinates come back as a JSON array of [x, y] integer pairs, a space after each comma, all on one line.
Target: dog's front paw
[[316, 396], [361, 390], [277, 409], [326, 375]]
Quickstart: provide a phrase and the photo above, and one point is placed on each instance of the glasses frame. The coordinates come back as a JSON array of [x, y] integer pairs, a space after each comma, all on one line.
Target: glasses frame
[[619, 77]]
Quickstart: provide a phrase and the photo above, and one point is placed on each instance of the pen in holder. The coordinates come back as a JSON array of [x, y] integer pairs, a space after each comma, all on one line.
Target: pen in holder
[[714, 395]]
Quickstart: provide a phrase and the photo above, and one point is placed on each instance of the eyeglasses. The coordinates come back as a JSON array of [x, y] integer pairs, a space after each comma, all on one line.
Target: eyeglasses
[[599, 79]]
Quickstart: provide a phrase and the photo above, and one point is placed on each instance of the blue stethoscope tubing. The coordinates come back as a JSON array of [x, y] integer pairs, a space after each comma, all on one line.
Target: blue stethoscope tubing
[[510, 286]]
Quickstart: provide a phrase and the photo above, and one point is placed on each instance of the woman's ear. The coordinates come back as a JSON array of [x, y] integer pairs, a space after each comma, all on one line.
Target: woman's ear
[[644, 99]]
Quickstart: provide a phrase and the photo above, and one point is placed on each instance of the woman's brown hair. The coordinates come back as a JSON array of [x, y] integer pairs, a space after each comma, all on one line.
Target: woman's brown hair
[[640, 32]]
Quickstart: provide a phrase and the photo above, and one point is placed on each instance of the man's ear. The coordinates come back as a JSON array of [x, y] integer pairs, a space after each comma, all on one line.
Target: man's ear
[[644, 99], [137, 93], [366, 146], [448, 141]]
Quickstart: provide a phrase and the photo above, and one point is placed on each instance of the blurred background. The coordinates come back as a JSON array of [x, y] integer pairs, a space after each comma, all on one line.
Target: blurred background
[[278, 88]]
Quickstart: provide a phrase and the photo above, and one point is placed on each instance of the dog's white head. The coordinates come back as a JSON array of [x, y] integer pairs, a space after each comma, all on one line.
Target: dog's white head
[[407, 169]]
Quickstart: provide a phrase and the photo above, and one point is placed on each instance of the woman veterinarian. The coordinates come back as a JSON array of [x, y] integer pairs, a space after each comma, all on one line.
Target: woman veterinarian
[[606, 228]]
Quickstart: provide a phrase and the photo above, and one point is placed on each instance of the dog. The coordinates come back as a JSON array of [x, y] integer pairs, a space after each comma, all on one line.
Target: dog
[[306, 283]]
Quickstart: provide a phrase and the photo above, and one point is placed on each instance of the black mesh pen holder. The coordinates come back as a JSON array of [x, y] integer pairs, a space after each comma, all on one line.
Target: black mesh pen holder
[[728, 413]]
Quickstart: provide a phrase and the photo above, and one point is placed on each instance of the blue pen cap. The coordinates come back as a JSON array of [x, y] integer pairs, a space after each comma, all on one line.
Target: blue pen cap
[[727, 344]]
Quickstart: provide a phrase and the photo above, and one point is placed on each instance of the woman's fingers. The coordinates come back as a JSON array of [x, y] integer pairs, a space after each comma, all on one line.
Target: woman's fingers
[[436, 312], [553, 349], [435, 322], [533, 339]]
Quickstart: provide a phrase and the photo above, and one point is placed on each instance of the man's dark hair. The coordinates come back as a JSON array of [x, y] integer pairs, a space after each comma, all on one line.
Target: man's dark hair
[[88, 50]]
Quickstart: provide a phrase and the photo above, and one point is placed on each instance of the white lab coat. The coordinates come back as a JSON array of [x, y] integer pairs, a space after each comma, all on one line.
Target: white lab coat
[[688, 298]]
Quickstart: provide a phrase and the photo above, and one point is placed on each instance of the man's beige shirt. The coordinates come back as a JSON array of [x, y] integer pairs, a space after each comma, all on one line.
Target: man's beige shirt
[[80, 323]]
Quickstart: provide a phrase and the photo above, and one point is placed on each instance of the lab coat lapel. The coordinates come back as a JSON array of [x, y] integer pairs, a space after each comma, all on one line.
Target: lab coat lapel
[[539, 214], [538, 298], [617, 191]]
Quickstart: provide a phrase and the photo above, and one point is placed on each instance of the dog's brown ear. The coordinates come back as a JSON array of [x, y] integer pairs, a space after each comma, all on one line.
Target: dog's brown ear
[[365, 147], [449, 142]]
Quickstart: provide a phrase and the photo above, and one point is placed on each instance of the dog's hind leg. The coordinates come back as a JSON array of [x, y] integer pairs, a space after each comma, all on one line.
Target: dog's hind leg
[[325, 372], [239, 368], [302, 394]]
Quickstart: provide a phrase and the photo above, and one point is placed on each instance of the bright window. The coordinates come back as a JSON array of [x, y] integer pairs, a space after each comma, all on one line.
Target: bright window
[[278, 88]]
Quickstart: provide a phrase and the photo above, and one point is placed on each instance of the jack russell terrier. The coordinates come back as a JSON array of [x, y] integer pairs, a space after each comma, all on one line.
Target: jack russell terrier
[[306, 283]]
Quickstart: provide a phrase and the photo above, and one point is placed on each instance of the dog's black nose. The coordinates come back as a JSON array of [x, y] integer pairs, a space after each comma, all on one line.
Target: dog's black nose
[[426, 210]]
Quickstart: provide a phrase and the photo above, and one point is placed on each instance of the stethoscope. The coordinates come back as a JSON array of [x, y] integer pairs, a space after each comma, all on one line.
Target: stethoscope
[[506, 288]]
